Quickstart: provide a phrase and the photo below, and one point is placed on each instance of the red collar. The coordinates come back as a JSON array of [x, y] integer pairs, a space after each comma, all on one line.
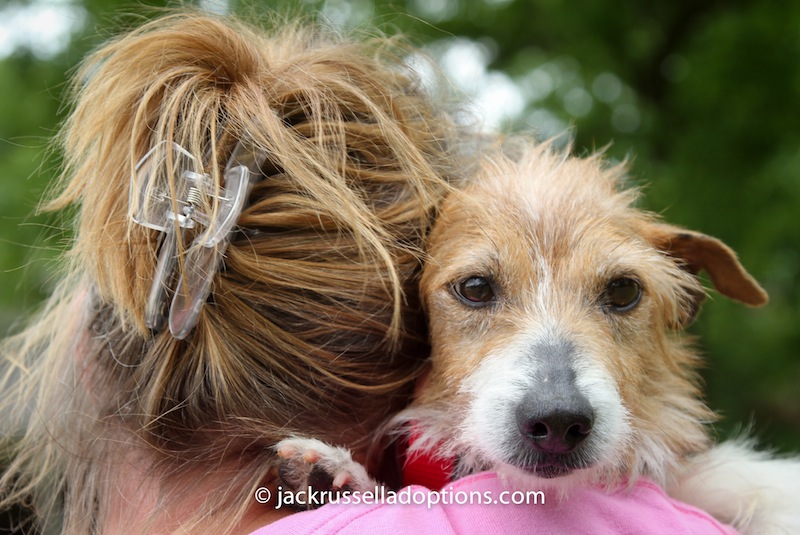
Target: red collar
[[425, 468]]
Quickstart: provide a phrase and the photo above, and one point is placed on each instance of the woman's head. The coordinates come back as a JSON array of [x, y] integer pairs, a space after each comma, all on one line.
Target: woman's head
[[311, 325]]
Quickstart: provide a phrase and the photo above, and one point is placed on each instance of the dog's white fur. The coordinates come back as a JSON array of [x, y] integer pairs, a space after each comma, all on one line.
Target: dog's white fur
[[550, 233], [752, 490]]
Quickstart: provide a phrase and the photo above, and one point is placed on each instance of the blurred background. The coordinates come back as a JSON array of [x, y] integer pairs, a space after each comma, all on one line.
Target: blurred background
[[702, 95]]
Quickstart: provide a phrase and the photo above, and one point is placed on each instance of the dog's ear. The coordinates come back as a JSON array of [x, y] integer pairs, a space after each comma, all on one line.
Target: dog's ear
[[697, 252]]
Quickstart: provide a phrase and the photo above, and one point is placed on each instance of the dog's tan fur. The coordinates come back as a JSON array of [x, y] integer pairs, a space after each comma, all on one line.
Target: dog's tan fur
[[550, 231]]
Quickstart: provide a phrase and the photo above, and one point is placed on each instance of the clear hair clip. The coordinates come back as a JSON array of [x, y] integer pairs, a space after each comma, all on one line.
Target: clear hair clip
[[171, 206]]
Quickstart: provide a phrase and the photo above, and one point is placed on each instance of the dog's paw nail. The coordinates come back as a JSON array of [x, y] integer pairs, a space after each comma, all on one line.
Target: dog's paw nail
[[311, 456], [286, 452], [341, 480]]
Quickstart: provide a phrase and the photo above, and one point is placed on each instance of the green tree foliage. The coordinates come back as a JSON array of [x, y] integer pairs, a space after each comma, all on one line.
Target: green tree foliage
[[702, 95]]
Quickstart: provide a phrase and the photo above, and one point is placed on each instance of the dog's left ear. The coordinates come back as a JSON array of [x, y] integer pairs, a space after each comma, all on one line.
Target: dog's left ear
[[699, 252]]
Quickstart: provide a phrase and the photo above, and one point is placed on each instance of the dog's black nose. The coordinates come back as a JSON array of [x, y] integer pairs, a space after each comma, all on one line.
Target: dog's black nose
[[558, 430], [554, 416]]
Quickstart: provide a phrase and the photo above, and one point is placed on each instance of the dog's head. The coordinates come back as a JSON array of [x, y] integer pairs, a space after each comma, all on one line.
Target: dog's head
[[554, 307]]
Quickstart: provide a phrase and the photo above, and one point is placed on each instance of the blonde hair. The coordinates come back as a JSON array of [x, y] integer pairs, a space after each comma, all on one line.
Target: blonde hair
[[312, 325]]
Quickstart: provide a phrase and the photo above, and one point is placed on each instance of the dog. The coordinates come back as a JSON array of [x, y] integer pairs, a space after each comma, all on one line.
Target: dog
[[556, 310]]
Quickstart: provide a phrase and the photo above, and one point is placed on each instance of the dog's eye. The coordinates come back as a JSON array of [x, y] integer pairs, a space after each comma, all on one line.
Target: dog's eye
[[474, 291], [623, 294]]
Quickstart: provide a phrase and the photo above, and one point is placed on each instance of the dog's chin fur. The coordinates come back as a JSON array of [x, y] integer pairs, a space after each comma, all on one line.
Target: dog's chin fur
[[551, 234]]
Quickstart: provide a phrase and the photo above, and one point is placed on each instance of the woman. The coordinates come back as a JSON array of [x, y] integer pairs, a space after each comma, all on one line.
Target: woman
[[180, 346]]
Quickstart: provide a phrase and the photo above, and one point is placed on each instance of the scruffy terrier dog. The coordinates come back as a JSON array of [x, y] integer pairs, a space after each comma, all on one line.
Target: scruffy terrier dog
[[555, 309]]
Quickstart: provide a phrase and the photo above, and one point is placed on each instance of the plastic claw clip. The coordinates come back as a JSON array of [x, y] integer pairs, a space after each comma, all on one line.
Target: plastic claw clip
[[173, 206]]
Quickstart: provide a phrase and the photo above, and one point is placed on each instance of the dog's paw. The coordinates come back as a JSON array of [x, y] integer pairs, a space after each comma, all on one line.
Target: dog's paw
[[308, 464]]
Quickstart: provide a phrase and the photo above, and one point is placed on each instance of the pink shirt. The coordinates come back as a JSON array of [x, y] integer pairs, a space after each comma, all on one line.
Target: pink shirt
[[644, 509]]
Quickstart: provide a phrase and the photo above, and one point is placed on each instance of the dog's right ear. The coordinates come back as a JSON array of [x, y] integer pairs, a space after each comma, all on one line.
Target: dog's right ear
[[696, 252]]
